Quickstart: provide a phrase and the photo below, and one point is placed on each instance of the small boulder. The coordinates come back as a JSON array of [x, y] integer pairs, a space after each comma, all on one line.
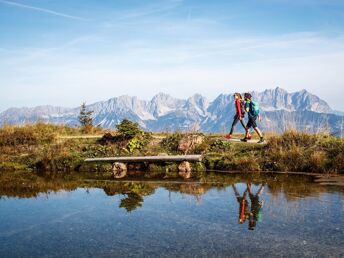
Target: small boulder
[[189, 142], [185, 169], [119, 170]]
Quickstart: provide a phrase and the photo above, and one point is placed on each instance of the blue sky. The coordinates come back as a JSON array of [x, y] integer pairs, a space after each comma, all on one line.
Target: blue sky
[[64, 52]]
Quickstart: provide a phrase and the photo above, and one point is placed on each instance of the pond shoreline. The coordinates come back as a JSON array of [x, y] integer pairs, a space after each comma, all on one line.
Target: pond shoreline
[[51, 149]]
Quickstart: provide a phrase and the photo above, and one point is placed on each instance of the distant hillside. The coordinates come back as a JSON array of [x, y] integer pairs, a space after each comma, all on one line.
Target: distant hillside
[[280, 110]]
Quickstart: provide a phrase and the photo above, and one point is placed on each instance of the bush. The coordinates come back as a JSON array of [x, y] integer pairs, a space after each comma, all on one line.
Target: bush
[[171, 142], [129, 129], [220, 146]]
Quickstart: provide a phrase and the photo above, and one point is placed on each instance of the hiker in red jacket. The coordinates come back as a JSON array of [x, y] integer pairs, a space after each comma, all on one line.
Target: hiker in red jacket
[[239, 115], [243, 205]]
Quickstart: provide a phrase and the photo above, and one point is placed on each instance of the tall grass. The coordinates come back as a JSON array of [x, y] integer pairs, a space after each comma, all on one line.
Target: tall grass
[[299, 151]]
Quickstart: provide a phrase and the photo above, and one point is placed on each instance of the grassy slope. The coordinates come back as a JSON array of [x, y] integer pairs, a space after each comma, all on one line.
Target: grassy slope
[[43, 147]]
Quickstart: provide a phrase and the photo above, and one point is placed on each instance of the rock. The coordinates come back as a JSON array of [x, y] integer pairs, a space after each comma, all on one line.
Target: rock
[[185, 169], [119, 170], [107, 138], [135, 167], [189, 142]]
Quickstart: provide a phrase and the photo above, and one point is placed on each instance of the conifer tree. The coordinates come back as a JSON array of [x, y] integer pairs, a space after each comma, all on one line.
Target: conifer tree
[[85, 118]]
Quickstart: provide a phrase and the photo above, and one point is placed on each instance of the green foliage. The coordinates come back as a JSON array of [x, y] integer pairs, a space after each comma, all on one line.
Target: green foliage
[[85, 118], [13, 166], [129, 129], [131, 202], [171, 142], [135, 144], [220, 146]]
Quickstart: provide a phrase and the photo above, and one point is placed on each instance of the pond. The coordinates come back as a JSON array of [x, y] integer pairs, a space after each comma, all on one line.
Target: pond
[[253, 216]]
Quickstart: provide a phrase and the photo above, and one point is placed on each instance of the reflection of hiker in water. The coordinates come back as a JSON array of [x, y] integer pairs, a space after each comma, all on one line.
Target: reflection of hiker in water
[[256, 206], [243, 205]]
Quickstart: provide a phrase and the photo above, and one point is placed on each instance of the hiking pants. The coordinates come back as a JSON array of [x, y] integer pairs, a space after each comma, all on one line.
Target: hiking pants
[[235, 121]]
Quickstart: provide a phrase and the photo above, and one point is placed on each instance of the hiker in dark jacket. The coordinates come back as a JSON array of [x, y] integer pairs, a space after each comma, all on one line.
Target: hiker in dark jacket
[[239, 114], [256, 206], [252, 109]]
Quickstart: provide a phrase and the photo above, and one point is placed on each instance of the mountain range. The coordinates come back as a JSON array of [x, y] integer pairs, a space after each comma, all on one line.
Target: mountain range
[[280, 110]]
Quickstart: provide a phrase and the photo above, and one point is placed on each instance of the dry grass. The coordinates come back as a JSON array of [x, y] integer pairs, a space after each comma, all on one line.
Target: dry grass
[[38, 147], [299, 151]]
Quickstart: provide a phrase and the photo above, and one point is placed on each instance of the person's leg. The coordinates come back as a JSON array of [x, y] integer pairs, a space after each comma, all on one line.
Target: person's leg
[[247, 127], [242, 123], [255, 127], [258, 132], [235, 121]]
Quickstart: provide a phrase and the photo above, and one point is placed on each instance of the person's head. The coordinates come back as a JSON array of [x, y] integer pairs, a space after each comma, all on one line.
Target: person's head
[[247, 96], [237, 95]]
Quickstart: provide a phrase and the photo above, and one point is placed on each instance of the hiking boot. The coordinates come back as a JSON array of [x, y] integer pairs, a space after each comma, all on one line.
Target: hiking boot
[[261, 140], [228, 136], [244, 140]]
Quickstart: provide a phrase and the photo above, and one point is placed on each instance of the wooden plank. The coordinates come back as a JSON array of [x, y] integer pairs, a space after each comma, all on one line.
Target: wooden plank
[[175, 158]]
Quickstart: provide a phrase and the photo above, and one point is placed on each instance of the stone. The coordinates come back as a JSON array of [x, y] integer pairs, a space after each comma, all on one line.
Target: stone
[[119, 170], [189, 142], [185, 170]]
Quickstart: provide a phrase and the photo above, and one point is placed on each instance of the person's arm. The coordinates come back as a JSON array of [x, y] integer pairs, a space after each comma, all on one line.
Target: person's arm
[[238, 108], [261, 189], [247, 106], [249, 188], [245, 194], [235, 191]]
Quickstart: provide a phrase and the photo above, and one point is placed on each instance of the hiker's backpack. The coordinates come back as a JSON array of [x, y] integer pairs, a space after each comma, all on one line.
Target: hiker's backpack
[[242, 106], [254, 108]]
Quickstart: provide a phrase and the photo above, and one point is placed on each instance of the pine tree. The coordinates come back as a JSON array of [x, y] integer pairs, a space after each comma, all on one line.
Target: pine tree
[[85, 118]]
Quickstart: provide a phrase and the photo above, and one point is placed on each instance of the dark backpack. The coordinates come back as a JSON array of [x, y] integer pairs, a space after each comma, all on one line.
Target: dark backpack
[[242, 106]]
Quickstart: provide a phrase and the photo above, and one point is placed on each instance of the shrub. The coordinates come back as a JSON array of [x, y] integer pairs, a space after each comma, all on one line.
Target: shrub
[[220, 146], [171, 142], [129, 129]]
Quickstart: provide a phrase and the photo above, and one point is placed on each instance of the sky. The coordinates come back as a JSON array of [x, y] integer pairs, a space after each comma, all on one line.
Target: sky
[[65, 52]]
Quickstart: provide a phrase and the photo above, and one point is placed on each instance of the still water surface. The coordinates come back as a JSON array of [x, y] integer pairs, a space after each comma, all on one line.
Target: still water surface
[[278, 216]]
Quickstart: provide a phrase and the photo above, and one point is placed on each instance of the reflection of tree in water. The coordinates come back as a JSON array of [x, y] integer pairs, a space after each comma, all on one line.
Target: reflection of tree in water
[[134, 193], [131, 202]]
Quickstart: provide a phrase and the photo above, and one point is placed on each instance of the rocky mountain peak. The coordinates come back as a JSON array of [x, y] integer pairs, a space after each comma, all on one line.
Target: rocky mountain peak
[[164, 112]]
